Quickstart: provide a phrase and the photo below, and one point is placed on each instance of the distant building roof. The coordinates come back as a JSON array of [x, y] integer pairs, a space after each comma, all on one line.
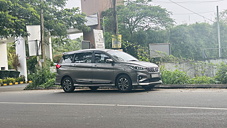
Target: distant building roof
[[92, 20]]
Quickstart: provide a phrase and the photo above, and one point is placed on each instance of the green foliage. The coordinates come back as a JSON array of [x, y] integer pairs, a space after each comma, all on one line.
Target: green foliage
[[221, 75], [61, 45], [142, 17], [174, 77], [41, 77], [20, 79], [180, 77], [1, 81], [143, 53], [31, 63], [9, 80], [135, 20], [10, 54], [167, 58], [197, 41], [49, 84], [57, 58], [16, 14], [223, 16], [202, 80]]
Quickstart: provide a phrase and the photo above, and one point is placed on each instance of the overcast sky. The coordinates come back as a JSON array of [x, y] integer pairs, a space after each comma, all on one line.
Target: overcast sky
[[184, 11]]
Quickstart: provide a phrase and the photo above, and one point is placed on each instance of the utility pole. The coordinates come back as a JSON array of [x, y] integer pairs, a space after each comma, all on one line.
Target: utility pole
[[218, 29], [42, 32], [115, 18], [116, 39]]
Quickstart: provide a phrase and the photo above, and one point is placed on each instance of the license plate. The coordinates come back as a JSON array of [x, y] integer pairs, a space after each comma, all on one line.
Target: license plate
[[154, 75]]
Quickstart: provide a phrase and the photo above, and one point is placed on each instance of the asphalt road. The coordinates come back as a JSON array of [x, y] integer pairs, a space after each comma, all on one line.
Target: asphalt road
[[160, 108]]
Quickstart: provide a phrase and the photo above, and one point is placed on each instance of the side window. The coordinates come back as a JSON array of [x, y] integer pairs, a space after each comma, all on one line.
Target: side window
[[101, 58], [67, 58], [83, 57]]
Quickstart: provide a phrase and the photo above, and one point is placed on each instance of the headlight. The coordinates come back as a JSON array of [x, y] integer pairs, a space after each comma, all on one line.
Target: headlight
[[137, 67]]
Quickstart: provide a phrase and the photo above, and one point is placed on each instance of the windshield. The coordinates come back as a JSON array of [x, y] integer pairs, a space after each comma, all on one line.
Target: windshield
[[122, 56]]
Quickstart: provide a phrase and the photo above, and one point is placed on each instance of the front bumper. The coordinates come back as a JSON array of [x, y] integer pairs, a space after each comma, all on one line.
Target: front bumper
[[145, 79], [150, 83]]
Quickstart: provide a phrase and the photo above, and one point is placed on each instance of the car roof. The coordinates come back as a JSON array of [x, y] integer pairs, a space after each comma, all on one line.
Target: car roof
[[87, 50]]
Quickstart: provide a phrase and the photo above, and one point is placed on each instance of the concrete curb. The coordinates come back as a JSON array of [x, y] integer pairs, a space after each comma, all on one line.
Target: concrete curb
[[16, 83], [172, 86], [161, 86]]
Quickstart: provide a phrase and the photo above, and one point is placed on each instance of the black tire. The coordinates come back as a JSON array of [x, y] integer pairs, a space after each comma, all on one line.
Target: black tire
[[94, 88], [149, 87], [67, 85], [124, 83]]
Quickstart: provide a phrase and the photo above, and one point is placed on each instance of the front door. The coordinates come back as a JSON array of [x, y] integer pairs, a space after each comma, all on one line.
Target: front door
[[102, 72]]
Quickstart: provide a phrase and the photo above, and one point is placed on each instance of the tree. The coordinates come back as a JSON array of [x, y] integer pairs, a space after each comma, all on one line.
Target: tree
[[135, 19], [16, 14], [223, 16], [61, 45], [192, 41], [138, 16]]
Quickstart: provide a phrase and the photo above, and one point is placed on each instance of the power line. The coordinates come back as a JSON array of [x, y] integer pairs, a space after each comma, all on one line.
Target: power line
[[191, 11], [192, 2]]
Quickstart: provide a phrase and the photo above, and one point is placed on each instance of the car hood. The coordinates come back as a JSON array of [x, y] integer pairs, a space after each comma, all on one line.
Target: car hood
[[142, 63]]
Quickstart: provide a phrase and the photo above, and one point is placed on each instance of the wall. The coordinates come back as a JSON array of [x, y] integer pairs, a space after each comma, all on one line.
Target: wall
[[3, 56], [196, 68]]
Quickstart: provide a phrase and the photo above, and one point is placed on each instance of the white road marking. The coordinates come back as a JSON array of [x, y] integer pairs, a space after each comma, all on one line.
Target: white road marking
[[113, 105]]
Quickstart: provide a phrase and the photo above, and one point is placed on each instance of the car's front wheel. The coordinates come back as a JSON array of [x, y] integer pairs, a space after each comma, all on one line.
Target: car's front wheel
[[124, 83], [67, 85]]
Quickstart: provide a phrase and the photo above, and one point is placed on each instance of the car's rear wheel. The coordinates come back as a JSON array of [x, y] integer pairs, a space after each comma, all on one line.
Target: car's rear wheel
[[67, 85], [124, 83], [93, 88]]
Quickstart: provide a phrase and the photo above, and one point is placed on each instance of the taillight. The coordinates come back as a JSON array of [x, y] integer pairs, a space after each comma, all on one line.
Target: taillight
[[58, 66]]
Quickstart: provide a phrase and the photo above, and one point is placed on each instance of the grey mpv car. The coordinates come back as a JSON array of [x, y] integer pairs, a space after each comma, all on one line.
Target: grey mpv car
[[94, 68]]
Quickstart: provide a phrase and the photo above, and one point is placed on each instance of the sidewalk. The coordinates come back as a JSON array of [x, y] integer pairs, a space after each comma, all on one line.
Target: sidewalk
[[18, 87]]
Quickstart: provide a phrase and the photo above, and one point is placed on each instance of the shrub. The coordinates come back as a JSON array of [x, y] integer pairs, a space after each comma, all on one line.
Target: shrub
[[221, 75], [9, 80], [57, 58], [50, 83], [1, 82], [21, 78], [14, 74], [202, 80], [4, 74], [31, 62], [41, 78], [174, 77]]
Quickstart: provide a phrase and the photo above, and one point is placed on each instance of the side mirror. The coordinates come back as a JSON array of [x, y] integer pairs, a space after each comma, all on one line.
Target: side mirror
[[109, 61]]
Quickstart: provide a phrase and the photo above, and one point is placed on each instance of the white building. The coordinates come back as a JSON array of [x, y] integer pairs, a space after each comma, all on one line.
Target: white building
[[3, 53]]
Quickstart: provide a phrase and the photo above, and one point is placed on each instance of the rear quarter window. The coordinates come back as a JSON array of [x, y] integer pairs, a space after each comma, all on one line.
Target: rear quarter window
[[67, 59], [83, 57]]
